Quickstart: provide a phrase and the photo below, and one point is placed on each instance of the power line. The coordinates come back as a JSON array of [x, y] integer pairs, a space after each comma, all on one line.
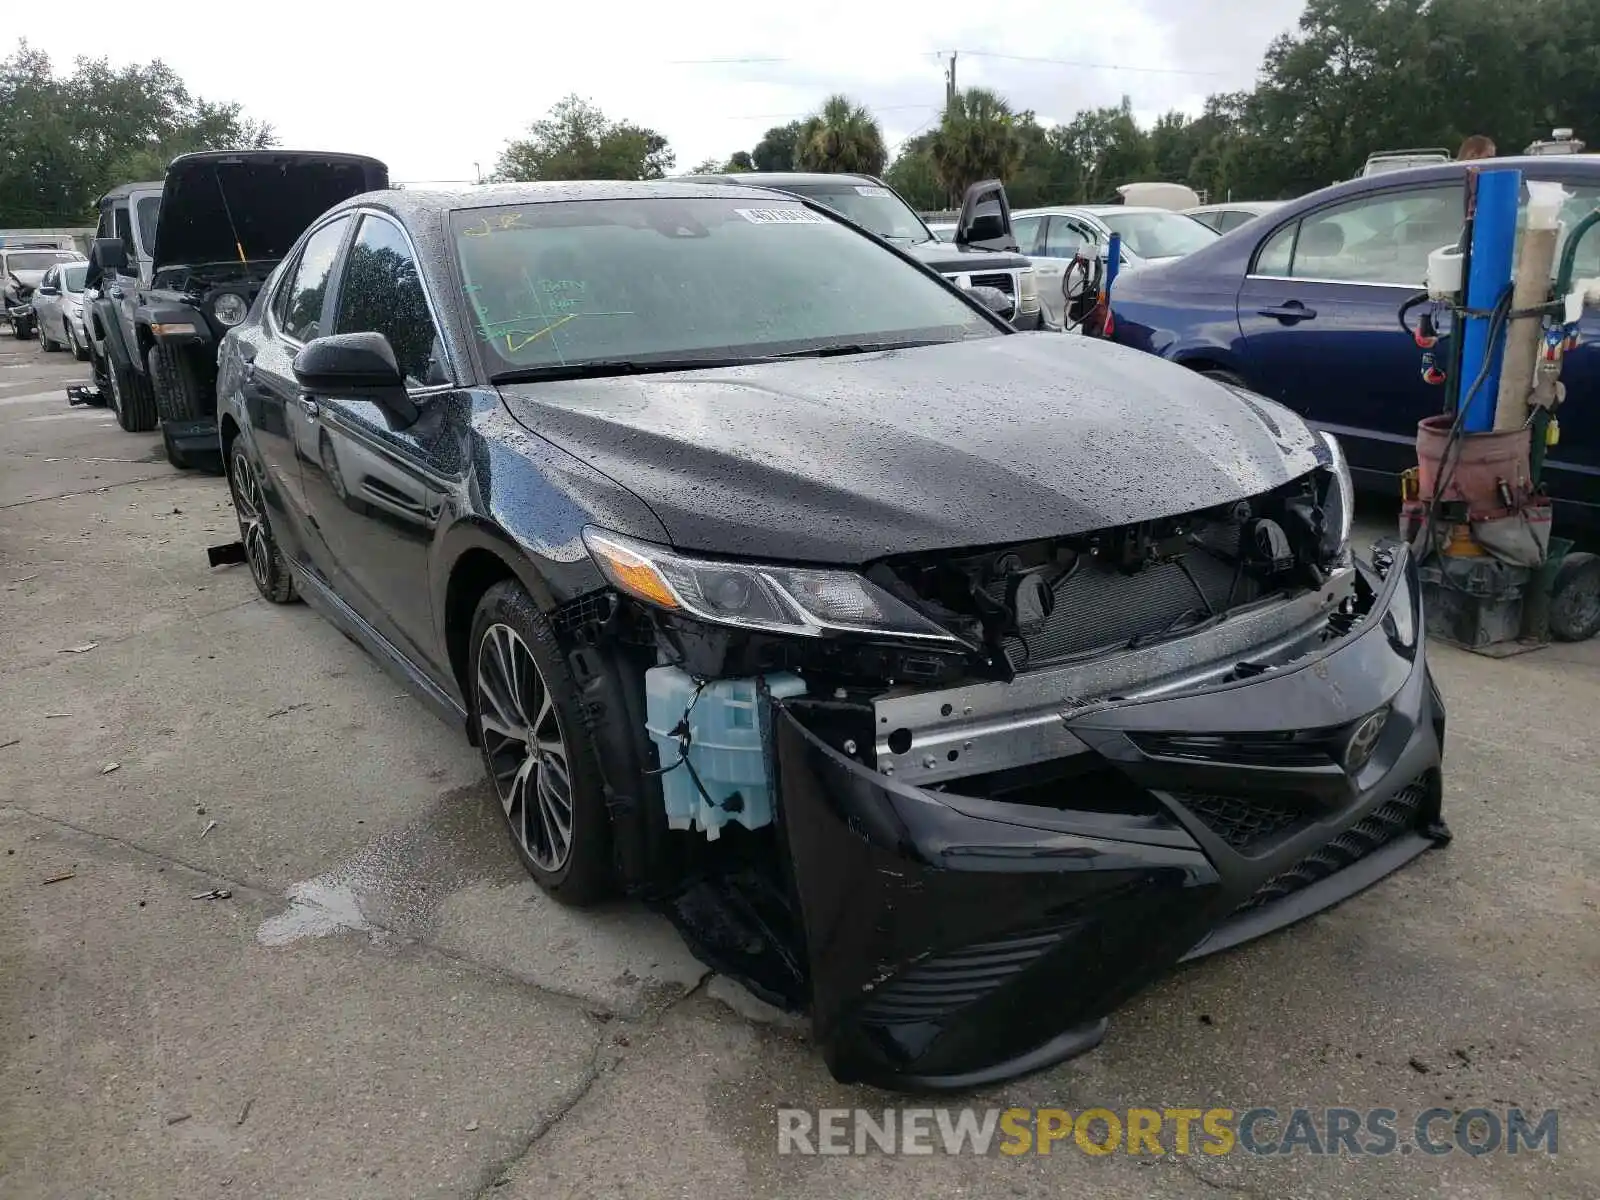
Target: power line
[[1028, 58], [1068, 62], [877, 108]]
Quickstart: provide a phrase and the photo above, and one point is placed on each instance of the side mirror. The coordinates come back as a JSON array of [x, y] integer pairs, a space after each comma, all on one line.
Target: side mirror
[[361, 366], [986, 217], [110, 254], [994, 300]]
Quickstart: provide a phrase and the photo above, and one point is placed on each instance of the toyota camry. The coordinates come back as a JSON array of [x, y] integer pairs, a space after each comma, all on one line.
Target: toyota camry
[[948, 682]]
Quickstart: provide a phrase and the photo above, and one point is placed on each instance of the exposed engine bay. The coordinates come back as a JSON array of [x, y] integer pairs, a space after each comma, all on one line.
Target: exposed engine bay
[[1044, 631], [196, 283]]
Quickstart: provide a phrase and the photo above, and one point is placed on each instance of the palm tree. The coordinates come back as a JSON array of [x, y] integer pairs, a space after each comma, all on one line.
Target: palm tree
[[842, 137], [977, 139]]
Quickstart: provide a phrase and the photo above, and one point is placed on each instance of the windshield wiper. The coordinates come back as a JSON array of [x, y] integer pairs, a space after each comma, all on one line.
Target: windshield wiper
[[860, 348], [606, 367]]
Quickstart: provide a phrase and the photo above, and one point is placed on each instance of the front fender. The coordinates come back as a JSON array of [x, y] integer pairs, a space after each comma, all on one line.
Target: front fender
[[174, 324]]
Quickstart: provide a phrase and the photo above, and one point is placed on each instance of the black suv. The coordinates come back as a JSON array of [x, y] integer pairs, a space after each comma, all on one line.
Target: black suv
[[226, 220]]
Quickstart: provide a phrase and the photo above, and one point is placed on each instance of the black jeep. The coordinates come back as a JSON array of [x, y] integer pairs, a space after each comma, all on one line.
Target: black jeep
[[226, 220]]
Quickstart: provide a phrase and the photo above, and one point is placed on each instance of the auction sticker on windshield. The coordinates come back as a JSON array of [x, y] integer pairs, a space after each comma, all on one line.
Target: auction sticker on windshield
[[780, 216], [871, 191]]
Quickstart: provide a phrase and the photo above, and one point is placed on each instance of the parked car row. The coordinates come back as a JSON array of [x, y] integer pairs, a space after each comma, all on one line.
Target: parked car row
[[22, 271]]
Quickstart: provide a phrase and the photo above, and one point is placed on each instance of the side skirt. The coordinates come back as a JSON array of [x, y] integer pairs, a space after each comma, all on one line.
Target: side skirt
[[349, 622]]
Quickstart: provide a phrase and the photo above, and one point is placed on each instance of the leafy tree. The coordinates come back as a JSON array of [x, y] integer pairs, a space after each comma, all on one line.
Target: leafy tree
[[977, 139], [912, 175], [843, 136], [66, 140], [776, 149], [708, 166], [575, 140], [739, 161]]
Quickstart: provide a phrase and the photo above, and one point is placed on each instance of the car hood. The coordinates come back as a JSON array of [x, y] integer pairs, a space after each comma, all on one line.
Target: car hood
[[28, 279], [846, 460], [948, 258], [271, 195]]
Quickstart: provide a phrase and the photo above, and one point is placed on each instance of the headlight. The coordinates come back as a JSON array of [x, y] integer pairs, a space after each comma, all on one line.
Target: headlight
[[1339, 500], [230, 308], [1027, 291], [795, 600]]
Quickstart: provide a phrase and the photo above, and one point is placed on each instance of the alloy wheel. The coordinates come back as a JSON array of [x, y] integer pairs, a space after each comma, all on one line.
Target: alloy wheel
[[251, 510], [526, 750]]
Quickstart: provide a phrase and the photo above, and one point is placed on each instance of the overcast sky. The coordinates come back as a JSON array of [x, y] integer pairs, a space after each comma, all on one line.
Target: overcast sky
[[433, 90]]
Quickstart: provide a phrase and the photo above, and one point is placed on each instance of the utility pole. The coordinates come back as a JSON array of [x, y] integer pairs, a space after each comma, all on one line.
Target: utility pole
[[950, 80]]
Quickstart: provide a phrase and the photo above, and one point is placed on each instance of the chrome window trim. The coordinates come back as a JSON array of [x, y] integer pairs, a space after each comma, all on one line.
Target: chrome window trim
[[1410, 287]]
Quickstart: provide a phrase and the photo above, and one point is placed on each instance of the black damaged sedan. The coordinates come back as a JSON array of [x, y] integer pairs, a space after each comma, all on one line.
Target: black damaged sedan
[[949, 682]]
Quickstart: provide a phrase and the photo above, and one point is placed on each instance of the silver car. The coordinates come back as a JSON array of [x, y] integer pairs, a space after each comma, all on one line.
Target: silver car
[[58, 309], [1052, 237]]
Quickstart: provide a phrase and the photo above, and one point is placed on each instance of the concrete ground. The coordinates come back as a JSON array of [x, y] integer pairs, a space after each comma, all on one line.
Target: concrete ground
[[385, 1006]]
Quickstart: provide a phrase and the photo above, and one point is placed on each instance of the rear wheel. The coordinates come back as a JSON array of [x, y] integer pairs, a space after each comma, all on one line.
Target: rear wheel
[[537, 749], [268, 566], [1575, 598], [179, 385]]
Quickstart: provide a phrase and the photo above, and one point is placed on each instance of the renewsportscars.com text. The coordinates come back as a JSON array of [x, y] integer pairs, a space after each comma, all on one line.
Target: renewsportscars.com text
[[1157, 1131]]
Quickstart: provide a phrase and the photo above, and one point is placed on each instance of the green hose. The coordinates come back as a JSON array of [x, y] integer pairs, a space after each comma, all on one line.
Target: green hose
[[1569, 254]]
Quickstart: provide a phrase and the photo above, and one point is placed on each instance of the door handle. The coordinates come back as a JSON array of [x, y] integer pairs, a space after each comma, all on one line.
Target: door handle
[[311, 407], [1289, 312]]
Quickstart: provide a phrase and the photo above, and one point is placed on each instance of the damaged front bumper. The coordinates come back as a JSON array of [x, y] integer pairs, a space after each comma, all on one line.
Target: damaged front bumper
[[956, 940]]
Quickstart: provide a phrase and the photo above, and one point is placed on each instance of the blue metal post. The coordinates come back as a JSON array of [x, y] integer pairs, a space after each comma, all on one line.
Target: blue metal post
[[1113, 261], [1494, 240]]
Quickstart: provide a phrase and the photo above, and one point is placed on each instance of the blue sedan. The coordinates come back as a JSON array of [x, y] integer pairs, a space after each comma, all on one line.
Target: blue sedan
[[1301, 305]]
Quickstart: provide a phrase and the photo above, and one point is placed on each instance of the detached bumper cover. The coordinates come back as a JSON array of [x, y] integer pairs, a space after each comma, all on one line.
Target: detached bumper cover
[[956, 941]]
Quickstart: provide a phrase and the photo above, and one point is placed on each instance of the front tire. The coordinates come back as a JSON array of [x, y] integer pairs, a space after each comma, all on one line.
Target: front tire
[[179, 387], [536, 747], [268, 566], [47, 343], [78, 352]]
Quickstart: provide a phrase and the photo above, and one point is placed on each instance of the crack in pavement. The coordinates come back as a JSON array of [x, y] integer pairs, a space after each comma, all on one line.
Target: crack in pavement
[[601, 1064], [177, 617], [595, 1010], [86, 491]]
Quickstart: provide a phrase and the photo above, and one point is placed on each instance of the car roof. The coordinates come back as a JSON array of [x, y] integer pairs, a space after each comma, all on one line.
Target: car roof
[[1093, 210], [417, 201], [1254, 206], [1584, 164], [125, 189], [782, 179]]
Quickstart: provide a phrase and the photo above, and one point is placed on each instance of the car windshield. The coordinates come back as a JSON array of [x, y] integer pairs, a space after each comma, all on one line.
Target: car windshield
[[37, 260], [558, 285], [870, 206], [1159, 234], [72, 277]]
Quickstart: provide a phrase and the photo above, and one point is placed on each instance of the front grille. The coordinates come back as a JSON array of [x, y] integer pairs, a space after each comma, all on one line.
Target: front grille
[[1315, 748], [1098, 606], [1001, 281], [1243, 822], [1397, 816], [934, 988]]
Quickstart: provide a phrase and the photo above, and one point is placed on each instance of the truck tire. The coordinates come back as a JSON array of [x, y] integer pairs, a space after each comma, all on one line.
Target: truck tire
[[179, 386], [130, 396]]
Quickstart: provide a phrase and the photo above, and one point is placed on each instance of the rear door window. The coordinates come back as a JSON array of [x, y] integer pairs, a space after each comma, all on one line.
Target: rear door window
[[1026, 230], [1376, 239]]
